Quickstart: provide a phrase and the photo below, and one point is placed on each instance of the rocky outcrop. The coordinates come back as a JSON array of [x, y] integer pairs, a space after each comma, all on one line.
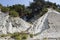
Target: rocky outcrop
[[49, 27], [46, 26], [10, 25]]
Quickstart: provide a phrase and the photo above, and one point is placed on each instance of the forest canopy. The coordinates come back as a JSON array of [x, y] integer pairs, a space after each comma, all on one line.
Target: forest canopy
[[36, 8]]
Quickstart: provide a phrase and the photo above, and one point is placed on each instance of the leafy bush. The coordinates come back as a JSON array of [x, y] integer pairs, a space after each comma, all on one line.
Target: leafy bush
[[3, 35], [24, 37], [4, 9], [13, 13], [0, 6], [44, 10], [31, 35], [19, 36], [16, 36], [57, 10]]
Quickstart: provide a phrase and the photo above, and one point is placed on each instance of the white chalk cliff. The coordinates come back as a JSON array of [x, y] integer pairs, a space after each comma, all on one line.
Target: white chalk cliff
[[46, 26], [11, 25]]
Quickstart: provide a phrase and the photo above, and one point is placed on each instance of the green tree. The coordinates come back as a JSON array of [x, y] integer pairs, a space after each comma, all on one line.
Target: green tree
[[37, 6], [18, 8], [0, 6], [4, 9], [13, 14]]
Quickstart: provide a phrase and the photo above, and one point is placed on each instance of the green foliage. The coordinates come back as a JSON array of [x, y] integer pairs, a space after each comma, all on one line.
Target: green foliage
[[16, 36], [3, 35], [45, 38], [57, 10], [44, 10], [13, 14], [0, 6], [24, 37], [20, 36], [18, 8], [4, 9], [37, 7], [31, 35]]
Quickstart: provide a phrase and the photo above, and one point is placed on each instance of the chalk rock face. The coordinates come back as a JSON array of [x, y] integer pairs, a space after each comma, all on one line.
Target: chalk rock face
[[48, 26], [11, 25], [3, 18], [41, 24]]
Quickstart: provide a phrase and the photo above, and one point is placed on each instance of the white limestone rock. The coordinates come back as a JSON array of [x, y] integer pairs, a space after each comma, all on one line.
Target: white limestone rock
[[11, 25], [46, 26], [49, 27]]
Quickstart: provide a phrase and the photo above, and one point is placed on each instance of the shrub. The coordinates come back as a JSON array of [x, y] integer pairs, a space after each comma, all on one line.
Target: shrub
[[44, 10], [0, 6], [57, 10], [24, 37], [16, 36], [31, 35], [19, 36], [13, 13], [4, 9], [45, 38], [3, 35]]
